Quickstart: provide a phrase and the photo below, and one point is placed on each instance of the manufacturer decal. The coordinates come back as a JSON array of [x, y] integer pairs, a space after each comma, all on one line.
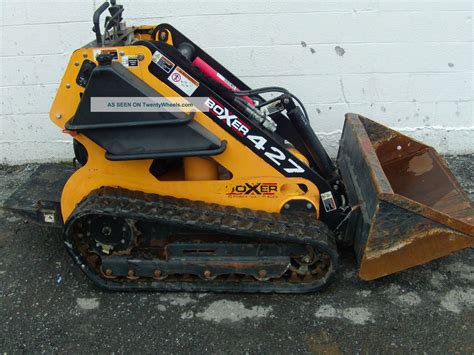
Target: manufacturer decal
[[232, 122], [162, 62], [230, 119], [328, 201], [183, 81], [261, 189]]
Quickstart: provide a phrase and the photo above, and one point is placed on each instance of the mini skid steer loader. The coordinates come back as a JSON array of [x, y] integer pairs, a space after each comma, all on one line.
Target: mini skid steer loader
[[240, 197]]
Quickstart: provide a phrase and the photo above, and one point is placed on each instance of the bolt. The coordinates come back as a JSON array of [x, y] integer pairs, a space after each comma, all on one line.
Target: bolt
[[309, 206], [76, 63], [262, 273], [122, 53], [68, 86], [207, 274], [108, 272], [157, 273], [141, 57], [88, 234], [287, 206], [84, 54], [336, 187], [286, 100], [306, 259], [131, 273], [106, 230], [124, 229], [122, 241], [58, 115]]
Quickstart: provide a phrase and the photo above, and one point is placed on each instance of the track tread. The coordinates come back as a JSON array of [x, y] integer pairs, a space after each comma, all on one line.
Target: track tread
[[203, 216]]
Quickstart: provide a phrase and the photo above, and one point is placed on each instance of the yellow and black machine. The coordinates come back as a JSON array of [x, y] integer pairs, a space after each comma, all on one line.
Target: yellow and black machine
[[241, 196]]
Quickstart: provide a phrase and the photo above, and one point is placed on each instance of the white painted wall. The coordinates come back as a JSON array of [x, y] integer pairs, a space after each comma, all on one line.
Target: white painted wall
[[408, 64]]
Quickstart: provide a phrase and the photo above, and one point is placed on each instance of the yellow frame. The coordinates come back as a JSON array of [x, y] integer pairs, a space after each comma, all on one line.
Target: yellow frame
[[245, 165]]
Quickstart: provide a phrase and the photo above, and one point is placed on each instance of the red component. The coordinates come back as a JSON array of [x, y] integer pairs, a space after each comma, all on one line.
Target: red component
[[71, 133], [216, 76]]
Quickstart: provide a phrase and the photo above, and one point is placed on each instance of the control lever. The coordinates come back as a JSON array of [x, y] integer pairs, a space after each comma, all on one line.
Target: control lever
[[96, 21]]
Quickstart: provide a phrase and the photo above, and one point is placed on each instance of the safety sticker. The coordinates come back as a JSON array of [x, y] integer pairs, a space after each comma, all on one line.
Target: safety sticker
[[328, 201], [164, 63], [183, 81], [133, 61], [130, 61]]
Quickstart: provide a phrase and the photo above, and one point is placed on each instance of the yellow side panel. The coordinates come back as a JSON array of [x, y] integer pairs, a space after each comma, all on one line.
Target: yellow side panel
[[246, 167]]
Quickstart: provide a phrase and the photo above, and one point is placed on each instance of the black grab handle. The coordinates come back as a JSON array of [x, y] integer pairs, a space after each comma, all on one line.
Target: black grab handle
[[96, 21]]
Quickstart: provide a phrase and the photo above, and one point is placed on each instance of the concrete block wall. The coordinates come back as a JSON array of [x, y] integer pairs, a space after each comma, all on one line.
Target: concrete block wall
[[408, 64]]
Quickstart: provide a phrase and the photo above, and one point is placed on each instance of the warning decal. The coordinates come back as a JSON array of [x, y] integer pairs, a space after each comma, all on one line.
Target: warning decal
[[164, 63], [183, 81], [328, 201]]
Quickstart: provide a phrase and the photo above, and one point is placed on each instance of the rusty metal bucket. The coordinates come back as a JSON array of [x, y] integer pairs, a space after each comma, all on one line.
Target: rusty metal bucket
[[408, 206]]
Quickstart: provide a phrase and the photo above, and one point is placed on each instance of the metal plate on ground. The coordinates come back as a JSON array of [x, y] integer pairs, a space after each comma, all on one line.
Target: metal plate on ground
[[45, 184]]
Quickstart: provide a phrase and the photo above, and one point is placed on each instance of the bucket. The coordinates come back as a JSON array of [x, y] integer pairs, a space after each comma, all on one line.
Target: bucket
[[408, 208]]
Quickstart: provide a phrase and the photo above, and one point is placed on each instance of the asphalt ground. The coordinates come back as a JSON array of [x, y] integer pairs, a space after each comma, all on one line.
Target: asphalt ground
[[48, 306]]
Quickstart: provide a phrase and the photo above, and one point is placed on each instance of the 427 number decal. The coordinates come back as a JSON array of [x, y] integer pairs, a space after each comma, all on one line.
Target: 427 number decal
[[274, 154]]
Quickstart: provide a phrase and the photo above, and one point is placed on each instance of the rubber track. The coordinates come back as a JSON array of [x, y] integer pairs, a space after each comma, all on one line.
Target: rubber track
[[203, 217]]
